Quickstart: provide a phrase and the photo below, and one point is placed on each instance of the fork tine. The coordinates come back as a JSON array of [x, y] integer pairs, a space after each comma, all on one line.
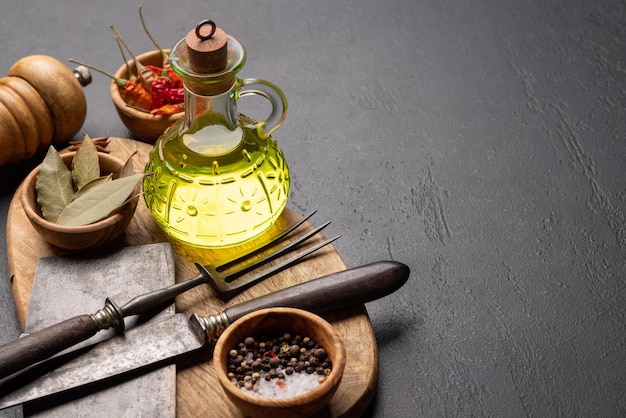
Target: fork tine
[[244, 269], [226, 264], [228, 284]]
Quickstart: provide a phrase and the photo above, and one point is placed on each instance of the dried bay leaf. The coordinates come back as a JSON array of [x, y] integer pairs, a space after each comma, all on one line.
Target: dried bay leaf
[[53, 185], [128, 169], [79, 196], [98, 202], [93, 183], [86, 163]]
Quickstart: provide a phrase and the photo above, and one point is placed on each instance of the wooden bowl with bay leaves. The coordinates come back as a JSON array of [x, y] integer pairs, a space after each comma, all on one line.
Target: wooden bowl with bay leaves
[[84, 237]]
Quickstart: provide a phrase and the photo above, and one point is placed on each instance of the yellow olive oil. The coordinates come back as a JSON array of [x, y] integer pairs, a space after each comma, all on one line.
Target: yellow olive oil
[[217, 186]]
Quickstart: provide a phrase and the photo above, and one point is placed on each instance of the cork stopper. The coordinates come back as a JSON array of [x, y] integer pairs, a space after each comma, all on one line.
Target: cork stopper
[[207, 48]]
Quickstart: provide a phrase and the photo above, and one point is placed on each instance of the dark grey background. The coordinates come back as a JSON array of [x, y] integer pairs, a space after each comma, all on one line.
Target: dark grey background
[[480, 142]]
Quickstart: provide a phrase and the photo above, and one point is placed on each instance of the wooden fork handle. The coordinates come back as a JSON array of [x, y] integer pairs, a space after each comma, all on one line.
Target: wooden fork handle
[[335, 291], [39, 345], [46, 342]]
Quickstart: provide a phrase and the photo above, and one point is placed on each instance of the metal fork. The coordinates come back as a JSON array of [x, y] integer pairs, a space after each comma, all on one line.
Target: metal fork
[[51, 340], [227, 278]]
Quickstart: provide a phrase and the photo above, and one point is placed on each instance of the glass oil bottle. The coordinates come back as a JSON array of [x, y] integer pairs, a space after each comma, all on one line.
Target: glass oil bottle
[[216, 178]]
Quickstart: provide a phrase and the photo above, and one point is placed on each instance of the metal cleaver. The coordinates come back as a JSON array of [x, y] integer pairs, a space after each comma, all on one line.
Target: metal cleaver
[[68, 285], [149, 344]]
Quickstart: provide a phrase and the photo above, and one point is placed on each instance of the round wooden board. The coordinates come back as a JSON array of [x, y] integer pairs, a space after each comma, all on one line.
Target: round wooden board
[[198, 390]]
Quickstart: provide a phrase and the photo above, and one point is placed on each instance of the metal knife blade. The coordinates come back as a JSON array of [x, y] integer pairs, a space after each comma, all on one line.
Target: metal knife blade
[[138, 347], [166, 339]]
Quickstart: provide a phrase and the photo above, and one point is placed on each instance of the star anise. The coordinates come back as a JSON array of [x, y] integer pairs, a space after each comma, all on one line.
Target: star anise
[[100, 143]]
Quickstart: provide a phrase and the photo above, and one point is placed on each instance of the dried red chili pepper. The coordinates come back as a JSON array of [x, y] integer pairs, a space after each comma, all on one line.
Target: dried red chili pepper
[[129, 72], [176, 79], [164, 93], [169, 109], [132, 92], [146, 74], [156, 70]]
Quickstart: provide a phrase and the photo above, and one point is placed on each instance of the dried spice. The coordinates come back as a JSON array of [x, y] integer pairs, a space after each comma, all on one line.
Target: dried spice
[[167, 70], [132, 92], [165, 93], [169, 109], [85, 165], [98, 202], [53, 185], [276, 357], [146, 74], [80, 196], [148, 88], [100, 144]]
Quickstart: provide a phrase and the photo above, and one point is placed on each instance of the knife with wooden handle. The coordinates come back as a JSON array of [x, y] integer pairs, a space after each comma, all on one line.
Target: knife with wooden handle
[[177, 335]]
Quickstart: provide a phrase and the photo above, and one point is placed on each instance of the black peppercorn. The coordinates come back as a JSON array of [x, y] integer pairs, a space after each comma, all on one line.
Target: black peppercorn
[[294, 350], [320, 353], [264, 357], [274, 362]]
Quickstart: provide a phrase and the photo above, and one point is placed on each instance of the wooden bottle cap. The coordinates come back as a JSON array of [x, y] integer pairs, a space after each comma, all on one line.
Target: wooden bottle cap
[[207, 48]]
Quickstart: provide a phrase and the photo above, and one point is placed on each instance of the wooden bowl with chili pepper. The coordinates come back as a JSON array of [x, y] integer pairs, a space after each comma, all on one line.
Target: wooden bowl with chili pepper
[[147, 114]]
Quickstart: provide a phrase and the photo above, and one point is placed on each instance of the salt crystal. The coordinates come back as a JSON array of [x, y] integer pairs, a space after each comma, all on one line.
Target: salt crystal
[[292, 385]]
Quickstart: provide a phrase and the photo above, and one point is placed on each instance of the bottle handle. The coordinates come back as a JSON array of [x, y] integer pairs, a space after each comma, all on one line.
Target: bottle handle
[[276, 98]]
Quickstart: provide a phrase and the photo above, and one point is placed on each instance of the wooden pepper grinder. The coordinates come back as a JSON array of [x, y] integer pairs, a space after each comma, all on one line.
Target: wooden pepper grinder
[[41, 103]]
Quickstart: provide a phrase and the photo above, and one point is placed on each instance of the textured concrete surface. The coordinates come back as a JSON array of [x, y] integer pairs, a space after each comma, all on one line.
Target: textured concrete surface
[[481, 142]]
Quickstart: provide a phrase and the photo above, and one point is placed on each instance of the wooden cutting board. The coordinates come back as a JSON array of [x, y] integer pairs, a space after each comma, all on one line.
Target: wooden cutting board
[[198, 390]]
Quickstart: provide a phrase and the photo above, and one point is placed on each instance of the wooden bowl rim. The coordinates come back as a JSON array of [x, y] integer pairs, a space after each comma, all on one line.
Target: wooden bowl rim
[[291, 402]]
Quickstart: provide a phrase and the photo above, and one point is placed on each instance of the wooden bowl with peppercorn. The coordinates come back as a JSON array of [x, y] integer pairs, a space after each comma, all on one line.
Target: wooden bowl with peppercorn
[[280, 362], [147, 121], [78, 238]]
